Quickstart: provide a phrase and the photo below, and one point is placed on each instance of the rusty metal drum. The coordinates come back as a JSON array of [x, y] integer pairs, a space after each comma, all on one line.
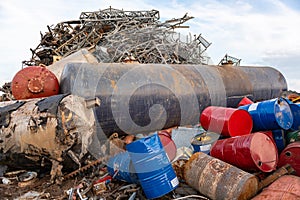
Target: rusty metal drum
[[286, 187], [34, 82], [226, 121], [252, 152], [290, 155], [217, 179]]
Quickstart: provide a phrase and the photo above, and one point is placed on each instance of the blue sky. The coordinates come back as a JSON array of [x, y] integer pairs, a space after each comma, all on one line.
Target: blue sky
[[260, 32]]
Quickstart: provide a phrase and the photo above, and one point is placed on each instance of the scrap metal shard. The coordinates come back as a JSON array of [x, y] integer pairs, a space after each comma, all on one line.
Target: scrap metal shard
[[47, 130]]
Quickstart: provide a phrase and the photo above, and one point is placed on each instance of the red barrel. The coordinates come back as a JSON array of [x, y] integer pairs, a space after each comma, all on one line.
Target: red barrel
[[245, 101], [226, 121], [291, 155], [34, 82], [248, 152], [286, 187], [168, 144]]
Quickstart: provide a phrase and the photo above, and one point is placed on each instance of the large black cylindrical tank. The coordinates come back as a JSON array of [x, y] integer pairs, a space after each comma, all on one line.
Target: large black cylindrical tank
[[137, 98]]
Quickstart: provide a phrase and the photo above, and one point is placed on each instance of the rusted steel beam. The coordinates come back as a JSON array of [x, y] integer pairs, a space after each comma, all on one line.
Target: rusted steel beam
[[125, 31]]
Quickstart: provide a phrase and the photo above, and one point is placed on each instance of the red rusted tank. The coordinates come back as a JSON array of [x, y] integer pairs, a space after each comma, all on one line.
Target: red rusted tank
[[248, 152], [291, 155], [286, 187], [226, 121], [34, 82]]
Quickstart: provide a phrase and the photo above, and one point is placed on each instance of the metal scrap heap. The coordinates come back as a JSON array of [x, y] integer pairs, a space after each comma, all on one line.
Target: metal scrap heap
[[118, 35]]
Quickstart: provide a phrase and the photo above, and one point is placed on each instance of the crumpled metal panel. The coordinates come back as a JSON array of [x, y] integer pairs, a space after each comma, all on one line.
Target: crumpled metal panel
[[39, 135]]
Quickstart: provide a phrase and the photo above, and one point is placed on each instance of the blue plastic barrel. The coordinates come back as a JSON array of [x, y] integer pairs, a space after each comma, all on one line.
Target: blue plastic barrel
[[120, 167], [295, 108], [279, 138], [152, 166], [270, 115]]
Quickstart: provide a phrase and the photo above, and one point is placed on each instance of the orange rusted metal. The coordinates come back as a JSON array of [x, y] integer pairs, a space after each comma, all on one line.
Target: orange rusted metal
[[285, 188], [217, 179], [34, 82], [139, 98]]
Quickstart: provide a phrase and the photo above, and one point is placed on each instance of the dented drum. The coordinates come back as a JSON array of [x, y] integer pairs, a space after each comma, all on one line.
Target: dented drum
[[120, 167], [217, 179], [249, 152], [153, 168]]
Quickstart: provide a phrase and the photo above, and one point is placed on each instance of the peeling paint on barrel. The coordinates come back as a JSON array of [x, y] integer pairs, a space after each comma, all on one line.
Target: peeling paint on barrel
[[217, 179], [286, 187]]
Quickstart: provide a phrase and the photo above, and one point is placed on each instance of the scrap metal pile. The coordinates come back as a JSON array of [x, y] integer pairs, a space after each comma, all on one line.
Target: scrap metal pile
[[172, 128], [118, 35]]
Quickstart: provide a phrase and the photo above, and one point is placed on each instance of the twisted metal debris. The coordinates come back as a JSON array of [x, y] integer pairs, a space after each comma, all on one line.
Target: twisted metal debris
[[118, 36]]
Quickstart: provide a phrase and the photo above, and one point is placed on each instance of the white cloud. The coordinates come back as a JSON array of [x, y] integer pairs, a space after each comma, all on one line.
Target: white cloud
[[294, 84], [259, 32]]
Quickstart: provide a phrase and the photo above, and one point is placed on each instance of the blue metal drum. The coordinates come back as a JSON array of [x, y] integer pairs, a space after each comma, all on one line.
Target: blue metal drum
[[204, 141], [279, 138], [270, 115], [120, 167], [152, 166], [296, 116]]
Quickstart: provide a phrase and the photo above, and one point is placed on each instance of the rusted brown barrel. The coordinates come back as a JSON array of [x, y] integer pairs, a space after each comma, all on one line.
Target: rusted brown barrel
[[286, 187], [217, 179]]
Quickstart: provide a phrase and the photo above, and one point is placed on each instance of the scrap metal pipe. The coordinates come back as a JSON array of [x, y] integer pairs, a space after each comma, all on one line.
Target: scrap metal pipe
[[140, 98], [47, 131]]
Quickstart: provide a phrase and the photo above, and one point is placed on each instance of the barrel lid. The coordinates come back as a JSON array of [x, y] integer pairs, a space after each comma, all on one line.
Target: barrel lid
[[283, 113], [205, 138], [240, 123], [263, 152]]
